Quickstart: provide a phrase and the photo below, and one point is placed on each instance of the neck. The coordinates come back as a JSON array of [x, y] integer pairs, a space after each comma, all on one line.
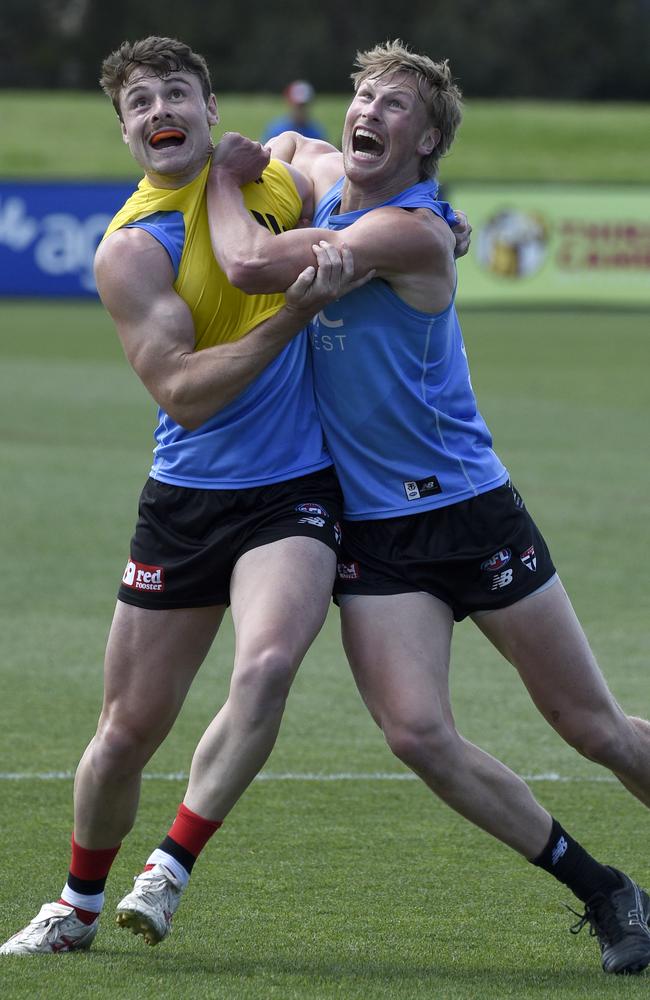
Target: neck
[[365, 193], [172, 182]]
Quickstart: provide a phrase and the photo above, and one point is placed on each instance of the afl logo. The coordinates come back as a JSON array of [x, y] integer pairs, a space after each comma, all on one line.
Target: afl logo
[[312, 508], [498, 560]]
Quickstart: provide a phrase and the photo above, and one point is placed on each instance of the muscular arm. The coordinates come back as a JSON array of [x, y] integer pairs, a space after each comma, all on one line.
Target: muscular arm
[[411, 250], [322, 164], [135, 281]]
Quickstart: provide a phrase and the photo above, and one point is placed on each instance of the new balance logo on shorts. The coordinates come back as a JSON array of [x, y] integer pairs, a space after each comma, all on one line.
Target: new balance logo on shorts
[[139, 576], [315, 514], [501, 580]]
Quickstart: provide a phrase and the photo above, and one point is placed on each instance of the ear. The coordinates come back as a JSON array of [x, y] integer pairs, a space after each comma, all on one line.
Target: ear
[[429, 141], [213, 112], [125, 137]]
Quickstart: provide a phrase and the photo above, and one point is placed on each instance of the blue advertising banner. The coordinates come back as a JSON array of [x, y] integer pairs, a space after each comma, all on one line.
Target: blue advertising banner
[[532, 244], [49, 232]]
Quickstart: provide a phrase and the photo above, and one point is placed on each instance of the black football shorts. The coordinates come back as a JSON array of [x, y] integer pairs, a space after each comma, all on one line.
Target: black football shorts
[[476, 555], [187, 541]]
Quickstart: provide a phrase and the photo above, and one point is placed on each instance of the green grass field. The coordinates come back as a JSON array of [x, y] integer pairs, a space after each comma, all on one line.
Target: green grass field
[[77, 134], [336, 875]]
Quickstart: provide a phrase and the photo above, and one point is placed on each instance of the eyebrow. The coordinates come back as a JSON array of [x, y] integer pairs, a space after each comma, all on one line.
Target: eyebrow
[[394, 91], [142, 83]]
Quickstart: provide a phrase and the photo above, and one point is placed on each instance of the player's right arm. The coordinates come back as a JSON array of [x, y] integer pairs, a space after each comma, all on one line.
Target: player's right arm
[[135, 280], [322, 164]]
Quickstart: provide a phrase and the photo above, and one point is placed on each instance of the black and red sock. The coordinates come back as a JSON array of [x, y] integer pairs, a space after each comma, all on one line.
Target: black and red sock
[[84, 887]]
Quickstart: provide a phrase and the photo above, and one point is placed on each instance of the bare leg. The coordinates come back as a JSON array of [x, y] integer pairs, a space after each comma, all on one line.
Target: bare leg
[[399, 648], [280, 597], [151, 659], [542, 637]]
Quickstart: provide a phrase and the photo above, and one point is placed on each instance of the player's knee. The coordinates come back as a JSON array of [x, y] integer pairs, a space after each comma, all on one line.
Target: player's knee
[[120, 749], [264, 680], [422, 744], [598, 741]]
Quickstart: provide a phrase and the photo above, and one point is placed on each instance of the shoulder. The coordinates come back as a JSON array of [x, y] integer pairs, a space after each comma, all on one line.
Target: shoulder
[[131, 259], [128, 244], [317, 154], [318, 160]]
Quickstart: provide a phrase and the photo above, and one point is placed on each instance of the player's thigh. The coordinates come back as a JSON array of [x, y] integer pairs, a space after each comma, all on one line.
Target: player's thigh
[[398, 647], [280, 594], [542, 637], [152, 657]]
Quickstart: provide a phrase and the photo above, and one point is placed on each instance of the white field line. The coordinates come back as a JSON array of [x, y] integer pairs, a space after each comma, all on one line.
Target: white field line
[[298, 776]]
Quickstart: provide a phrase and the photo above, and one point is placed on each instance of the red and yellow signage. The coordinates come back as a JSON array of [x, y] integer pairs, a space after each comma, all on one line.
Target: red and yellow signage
[[553, 244]]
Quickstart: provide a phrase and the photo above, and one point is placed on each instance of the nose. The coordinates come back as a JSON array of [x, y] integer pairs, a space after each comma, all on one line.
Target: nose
[[371, 109], [159, 109]]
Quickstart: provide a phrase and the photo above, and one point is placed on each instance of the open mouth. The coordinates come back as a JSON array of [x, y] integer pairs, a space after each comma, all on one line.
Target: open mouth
[[167, 137], [367, 143]]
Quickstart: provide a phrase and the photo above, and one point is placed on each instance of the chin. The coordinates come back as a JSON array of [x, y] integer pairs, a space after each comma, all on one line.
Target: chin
[[363, 168]]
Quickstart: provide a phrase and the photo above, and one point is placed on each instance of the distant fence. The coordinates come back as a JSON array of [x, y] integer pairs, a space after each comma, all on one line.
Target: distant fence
[[532, 244]]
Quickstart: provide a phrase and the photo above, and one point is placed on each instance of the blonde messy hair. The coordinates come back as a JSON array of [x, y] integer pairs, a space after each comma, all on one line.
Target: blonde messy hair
[[441, 96]]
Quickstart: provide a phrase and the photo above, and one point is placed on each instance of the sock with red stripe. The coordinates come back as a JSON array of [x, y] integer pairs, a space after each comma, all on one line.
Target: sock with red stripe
[[84, 887], [187, 836]]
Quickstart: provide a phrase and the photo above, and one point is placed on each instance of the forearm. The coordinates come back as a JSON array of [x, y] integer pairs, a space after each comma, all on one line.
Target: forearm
[[253, 258]]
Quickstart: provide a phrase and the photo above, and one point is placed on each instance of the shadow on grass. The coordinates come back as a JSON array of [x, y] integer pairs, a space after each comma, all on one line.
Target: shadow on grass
[[449, 979]]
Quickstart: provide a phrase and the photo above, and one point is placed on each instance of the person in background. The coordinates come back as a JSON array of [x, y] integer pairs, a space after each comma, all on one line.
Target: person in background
[[299, 96]]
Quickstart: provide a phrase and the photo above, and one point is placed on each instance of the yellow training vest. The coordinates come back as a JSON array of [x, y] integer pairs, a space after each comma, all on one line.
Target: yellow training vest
[[221, 313]]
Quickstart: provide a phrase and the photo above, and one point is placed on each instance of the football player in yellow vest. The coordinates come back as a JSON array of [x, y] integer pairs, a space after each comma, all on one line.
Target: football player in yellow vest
[[241, 506]]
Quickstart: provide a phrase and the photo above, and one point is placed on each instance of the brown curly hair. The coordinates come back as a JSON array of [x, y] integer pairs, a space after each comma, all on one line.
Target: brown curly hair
[[161, 55]]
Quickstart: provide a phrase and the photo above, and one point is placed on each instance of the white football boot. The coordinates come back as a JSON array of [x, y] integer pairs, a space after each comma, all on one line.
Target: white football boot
[[149, 907], [55, 928]]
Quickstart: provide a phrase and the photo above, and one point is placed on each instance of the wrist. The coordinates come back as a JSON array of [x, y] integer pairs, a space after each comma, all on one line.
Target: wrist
[[300, 315], [221, 176]]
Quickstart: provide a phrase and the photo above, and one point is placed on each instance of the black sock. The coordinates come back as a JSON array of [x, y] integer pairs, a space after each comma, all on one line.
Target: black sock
[[182, 855], [569, 863]]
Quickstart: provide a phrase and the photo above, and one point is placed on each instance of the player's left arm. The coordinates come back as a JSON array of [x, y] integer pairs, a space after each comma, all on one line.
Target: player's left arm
[[389, 241], [404, 247]]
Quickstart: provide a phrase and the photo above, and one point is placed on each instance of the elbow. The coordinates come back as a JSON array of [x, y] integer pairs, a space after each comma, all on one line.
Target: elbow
[[185, 411], [253, 276], [185, 416], [187, 420], [191, 410]]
